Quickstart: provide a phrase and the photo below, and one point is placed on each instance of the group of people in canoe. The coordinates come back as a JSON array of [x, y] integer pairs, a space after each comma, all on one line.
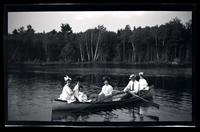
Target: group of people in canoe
[[72, 95]]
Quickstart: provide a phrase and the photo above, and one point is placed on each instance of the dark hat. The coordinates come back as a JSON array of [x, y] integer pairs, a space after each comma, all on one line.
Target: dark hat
[[106, 78]]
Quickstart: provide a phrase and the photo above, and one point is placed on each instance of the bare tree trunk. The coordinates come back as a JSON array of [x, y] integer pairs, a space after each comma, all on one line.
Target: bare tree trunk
[[187, 56], [100, 55], [148, 53], [166, 54], [45, 44], [133, 55], [98, 52], [157, 57], [152, 55], [81, 52], [97, 46], [88, 54], [163, 43], [163, 50], [46, 52], [124, 50], [92, 56]]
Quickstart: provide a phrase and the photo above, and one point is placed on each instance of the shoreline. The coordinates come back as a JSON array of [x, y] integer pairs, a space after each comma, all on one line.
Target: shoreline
[[115, 64], [94, 70]]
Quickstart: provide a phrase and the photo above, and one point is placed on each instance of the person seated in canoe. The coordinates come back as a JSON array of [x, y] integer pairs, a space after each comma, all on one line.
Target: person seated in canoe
[[106, 91], [78, 86], [80, 96], [133, 87], [67, 93], [142, 82]]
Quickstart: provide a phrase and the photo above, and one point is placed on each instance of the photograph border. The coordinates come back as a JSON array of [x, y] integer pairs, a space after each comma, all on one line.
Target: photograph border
[[102, 7]]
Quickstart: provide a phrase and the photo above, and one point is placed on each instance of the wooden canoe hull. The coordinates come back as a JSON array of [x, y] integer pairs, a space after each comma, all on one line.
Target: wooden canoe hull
[[59, 105]]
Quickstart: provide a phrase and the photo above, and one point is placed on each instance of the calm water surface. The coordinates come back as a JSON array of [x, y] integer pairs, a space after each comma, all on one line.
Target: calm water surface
[[31, 89]]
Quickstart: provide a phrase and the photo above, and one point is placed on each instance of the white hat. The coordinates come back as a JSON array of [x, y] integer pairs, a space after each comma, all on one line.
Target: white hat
[[141, 73], [66, 78], [132, 75]]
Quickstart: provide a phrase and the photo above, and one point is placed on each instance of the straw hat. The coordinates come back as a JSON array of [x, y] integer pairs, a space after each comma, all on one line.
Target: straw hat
[[141, 74], [132, 76]]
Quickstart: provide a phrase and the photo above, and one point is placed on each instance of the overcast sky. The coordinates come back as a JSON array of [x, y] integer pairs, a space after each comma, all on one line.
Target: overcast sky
[[81, 21]]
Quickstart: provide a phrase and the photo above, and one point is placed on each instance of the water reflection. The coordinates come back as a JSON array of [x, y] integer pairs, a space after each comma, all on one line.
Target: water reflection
[[138, 112], [30, 94]]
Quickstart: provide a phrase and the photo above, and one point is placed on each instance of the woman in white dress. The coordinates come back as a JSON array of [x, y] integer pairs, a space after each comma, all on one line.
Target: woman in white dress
[[107, 89], [80, 96], [67, 93], [142, 82]]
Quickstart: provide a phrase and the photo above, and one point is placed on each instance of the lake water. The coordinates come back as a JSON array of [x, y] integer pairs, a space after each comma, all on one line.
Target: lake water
[[31, 89]]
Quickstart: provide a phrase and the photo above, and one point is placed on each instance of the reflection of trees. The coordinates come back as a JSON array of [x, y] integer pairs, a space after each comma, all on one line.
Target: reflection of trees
[[139, 113], [173, 89], [109, 115], [68, 116]]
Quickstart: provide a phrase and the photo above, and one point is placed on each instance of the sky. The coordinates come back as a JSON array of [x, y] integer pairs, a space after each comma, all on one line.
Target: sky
[[83, 20]]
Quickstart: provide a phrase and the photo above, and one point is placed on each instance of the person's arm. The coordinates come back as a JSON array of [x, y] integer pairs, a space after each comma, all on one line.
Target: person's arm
[[128, 87], [75, 88], [102, 90], [146, 84], [110, 90], [84, 97], [69, 91]]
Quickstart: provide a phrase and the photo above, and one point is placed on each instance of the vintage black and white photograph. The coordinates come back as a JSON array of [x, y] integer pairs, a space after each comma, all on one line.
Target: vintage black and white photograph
[[99, 66]]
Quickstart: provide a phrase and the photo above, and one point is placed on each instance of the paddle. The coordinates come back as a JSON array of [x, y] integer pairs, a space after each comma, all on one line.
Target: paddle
[[152, 103]]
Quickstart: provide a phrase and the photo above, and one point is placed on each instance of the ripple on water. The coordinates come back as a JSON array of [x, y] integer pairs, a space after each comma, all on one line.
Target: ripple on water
[[30, 94]]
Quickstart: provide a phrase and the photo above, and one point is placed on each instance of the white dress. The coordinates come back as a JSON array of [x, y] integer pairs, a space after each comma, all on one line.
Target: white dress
[[76, 90], [67, 94], [80, 95], [143, 84], [106, 90]]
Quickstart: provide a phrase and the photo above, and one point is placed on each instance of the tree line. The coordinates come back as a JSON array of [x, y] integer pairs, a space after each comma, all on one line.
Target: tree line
[[167, 43]]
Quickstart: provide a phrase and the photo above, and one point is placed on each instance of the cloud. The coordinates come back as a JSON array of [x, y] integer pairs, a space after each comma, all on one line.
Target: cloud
[[82, 20], [79, 18], [139, 13]]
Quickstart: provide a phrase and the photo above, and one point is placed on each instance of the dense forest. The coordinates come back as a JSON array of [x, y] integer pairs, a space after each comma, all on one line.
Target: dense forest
[[167, 43]]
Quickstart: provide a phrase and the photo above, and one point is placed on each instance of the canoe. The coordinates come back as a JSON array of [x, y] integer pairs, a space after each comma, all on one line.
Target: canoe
[[60, 105]]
